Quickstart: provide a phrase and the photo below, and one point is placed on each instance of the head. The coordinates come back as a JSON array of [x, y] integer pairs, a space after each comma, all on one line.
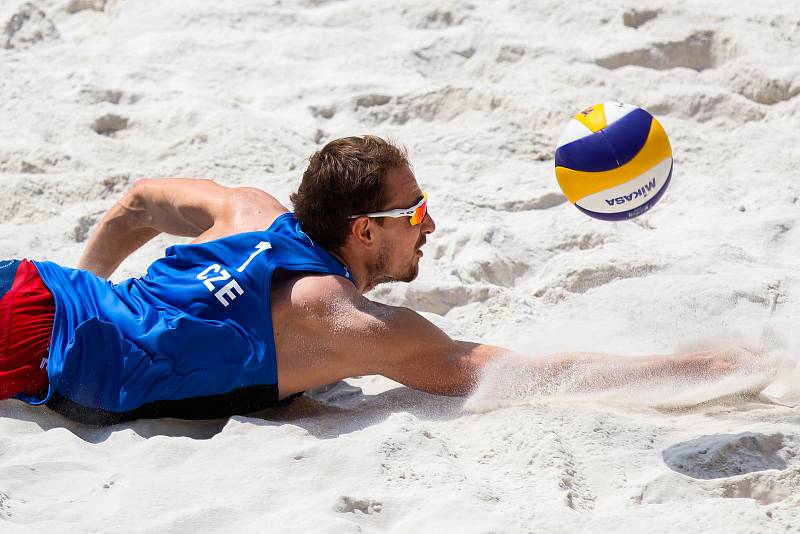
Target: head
[[356, 175]]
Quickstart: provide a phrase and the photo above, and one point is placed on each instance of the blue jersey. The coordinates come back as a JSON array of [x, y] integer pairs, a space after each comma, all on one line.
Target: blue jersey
[[192, 338]]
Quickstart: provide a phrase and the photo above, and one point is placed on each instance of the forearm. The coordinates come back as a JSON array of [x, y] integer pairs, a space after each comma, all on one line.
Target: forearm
[[587, 372], [591, 371], [121, 231], [463, 366], [469, 364]]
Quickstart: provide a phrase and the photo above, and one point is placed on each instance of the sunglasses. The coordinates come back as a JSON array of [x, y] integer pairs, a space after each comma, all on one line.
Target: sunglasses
[[417, 212]]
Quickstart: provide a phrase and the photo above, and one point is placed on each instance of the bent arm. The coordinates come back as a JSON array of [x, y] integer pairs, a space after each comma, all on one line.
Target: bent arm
[[119, 233], [189, 207]]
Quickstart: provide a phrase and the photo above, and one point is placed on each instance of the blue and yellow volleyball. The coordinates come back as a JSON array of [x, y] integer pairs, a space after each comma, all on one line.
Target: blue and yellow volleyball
[[613, 161]]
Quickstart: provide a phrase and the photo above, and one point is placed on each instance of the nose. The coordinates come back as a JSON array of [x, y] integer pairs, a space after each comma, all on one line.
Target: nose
[[428, 224]]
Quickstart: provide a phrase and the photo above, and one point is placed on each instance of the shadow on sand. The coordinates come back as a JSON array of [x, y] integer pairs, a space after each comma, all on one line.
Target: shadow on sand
[[324, 421]]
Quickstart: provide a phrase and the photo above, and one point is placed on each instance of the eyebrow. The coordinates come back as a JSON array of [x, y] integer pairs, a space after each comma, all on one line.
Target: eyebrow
[[416, 201], [418, 196], [418, 193]]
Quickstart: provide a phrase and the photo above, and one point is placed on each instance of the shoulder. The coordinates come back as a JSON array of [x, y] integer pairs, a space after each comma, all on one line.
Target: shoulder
[[251, 196], [252, 209], [327, 299], [317, 292]]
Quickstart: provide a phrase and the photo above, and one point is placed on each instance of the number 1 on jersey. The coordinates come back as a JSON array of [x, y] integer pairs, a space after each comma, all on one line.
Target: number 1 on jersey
[[261, 247]]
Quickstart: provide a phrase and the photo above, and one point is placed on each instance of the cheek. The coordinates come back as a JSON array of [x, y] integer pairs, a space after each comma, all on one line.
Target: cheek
[[414, 236], [405, 246], [406, 241]]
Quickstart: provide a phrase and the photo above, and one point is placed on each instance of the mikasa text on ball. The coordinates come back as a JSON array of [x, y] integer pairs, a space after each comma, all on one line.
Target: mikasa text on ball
[[613, 161]]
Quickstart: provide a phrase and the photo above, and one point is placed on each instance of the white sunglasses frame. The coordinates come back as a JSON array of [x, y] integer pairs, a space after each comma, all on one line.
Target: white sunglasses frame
[[400, 212]]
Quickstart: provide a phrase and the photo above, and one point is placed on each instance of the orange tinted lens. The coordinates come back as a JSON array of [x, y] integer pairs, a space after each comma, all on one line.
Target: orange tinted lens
[[419, 213]]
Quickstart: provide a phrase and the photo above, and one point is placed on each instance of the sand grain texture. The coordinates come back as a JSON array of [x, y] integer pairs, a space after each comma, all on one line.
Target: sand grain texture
[[97, 93]]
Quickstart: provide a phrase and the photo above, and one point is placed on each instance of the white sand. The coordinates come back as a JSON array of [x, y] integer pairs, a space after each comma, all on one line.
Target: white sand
[[244, 91]]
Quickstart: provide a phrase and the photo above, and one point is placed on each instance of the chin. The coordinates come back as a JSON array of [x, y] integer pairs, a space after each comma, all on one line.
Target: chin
[[412, 273]]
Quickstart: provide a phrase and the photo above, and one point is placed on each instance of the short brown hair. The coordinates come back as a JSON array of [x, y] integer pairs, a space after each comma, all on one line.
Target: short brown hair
[[345, 178]]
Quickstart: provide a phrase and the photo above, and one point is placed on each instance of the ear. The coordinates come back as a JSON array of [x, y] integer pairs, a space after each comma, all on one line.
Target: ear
[[362, 232]]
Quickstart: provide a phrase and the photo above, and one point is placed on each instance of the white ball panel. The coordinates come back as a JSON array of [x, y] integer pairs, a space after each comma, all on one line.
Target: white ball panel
[[575, 130], [616, 110]]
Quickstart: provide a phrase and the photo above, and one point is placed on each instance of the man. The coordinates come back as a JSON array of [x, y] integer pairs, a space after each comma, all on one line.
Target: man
[[262, 305]]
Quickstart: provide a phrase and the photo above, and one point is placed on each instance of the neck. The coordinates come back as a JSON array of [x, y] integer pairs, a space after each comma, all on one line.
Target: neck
[[357, 269]]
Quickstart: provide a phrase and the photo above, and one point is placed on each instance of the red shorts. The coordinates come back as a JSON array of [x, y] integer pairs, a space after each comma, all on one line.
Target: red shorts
[[26, 323]]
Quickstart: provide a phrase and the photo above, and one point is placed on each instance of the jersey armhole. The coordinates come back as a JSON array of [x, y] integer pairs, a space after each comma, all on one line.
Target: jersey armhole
[[278, 221]]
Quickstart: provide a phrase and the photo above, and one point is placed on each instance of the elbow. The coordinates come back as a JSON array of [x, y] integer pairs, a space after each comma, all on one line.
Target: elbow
[[134, 207], [137, 195], [143, 186]]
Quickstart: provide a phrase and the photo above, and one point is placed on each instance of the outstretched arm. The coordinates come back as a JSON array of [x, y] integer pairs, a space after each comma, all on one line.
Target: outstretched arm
[[189, 207], [402, 345], [423, 357]]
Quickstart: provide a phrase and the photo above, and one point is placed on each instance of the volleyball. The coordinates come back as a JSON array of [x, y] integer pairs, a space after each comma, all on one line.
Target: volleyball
[[613, 161]]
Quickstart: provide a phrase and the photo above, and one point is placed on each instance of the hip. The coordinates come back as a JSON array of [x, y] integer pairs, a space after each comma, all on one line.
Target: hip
[[27, 312]]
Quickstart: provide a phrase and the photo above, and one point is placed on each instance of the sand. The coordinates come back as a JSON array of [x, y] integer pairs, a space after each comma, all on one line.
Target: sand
[[97, 93]]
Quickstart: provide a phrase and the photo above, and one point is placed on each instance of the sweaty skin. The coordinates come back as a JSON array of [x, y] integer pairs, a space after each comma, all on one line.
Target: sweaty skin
[[324, 328]]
